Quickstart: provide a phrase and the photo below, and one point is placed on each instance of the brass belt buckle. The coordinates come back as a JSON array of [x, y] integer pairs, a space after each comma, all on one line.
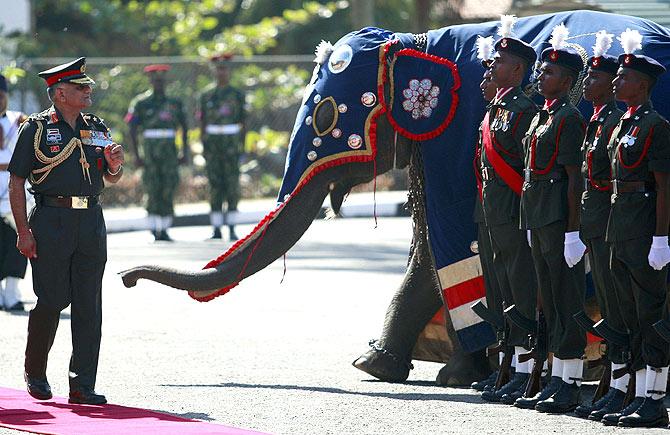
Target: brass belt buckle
[[79, 202]]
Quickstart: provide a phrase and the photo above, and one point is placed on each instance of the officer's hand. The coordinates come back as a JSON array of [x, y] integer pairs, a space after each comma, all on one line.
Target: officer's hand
[[114, 156], [659, 253], [25, 243], [574, 248]]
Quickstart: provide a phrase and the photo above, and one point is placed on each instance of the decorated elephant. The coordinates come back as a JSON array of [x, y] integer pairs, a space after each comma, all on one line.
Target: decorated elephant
[[379, 100]]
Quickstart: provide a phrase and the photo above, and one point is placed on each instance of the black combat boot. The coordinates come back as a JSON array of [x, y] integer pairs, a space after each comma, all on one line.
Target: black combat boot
[[518, 380], [547, 392], [584, 411], [164, 236], [483, 384], [651, 413], [614, 404], [216, 234], [233, 236], [564, 400], [613, 419]]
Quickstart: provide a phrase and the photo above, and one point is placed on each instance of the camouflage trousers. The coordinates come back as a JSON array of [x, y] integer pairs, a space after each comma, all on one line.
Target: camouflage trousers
[[223, 172], [160, 176]]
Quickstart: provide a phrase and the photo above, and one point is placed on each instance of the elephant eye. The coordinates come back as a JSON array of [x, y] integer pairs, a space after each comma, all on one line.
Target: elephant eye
[[325, 116], [340, 59]]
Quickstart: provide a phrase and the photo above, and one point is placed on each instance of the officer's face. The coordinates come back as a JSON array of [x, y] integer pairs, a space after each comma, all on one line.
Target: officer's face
[[504, 69], [597, 86], [552, 81], [488, 86], [74, 95], [3, 102], [628, 85], [157, 80], [222, 73]]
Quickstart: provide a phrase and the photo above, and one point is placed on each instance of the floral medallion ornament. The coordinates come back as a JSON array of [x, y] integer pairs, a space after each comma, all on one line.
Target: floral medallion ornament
[[311, 156], [368, 99], [336, 133], [316, 141], [354, 141], [420, 98]]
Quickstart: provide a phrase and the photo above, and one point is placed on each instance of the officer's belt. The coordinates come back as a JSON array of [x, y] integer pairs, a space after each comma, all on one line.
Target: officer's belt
[[77, 202], [530, 175], [619, 186], [223, 130], [603, 184], [489, 174], [159, 133]]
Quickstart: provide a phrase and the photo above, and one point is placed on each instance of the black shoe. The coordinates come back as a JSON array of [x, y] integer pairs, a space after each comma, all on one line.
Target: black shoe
[[651, 413], [16, 307], [564, 400], [547, 392], [164, 236], [233, 236], [584, 410], [86, 396], [481, 385], [613, 419], [216, 234], [514, 384], [510, 398], [38, 388], [614, 404]]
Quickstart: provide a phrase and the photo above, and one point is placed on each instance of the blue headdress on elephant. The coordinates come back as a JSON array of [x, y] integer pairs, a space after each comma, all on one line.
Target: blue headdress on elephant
[[427, 86]]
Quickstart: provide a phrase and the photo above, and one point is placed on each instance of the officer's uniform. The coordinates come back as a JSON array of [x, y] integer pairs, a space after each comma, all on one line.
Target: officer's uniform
[[553, 142], [640, 146], [65, 168], [222, 116], [158, 116]]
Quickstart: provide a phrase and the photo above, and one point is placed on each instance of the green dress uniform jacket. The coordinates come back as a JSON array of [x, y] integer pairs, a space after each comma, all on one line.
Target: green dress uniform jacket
[[222, 114], [71, 242], [509, 120], [640, 145], [554, 141], [158, 116], [594, 213]]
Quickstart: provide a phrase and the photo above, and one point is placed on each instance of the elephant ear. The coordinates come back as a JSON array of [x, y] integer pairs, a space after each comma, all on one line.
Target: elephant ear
[[422, 92]]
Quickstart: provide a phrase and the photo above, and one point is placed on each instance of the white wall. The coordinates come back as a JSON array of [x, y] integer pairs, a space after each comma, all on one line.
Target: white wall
[[15, 16]]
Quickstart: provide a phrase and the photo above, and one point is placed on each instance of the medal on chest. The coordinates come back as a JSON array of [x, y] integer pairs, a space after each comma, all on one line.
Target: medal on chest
[[165, 115], [225, 110], [95, 138], [628, 140]]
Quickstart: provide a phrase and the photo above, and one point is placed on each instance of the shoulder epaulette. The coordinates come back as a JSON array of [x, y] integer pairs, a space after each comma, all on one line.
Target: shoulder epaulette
[[93, 118]]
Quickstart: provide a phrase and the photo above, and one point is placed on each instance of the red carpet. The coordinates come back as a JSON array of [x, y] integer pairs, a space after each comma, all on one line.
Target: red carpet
[[20, 411]]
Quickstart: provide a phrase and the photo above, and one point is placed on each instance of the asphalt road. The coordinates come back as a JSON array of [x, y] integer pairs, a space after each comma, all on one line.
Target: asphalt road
[[271, 356]]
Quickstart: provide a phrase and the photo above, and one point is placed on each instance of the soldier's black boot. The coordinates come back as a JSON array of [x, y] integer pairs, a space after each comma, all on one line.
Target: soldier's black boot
[[42, 325], [613, 419], [510, 398], [518, 380], [615, 402], [164, 236], [564, 400], [484, 383], [233, 236], [584, 410], [216, 234], [544, 394], [651, 413]]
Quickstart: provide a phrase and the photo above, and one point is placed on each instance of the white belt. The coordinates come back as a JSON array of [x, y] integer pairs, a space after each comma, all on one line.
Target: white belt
[[226, 129], [159, 133]]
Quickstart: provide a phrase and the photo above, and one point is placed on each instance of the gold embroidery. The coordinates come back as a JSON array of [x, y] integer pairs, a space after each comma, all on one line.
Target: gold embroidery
[[52, 162]]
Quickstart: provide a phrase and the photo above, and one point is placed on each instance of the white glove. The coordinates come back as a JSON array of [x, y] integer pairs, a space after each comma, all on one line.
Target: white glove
[[530, 238], [574, 248], [659, 254]]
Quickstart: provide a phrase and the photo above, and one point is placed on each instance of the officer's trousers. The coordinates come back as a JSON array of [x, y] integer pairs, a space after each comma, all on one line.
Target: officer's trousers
[[68, 270], [513, 263], [599, 258], [561, 290], [494, 299], [642, 294]]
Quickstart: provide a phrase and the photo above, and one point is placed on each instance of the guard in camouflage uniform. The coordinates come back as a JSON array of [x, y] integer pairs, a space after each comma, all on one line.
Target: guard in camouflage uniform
[[222, 130], [158, 116], [595, 210], [493, 293], [550, 210], [504, 127], [638, 231], [67, 157]]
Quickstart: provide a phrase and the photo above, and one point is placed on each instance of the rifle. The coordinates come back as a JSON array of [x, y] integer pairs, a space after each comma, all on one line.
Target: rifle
[[498, 323], [622, 340], [585, 322], [537, 333]]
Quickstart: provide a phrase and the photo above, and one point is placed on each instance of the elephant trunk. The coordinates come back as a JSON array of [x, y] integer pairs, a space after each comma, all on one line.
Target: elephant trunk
[[271, 238]]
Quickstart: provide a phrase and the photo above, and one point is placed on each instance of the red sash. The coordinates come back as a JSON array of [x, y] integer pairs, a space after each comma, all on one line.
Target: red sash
[[500, 166]]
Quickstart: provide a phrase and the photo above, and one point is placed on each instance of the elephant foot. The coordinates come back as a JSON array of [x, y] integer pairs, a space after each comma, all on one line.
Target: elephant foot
[[463, 369], [383, 365]]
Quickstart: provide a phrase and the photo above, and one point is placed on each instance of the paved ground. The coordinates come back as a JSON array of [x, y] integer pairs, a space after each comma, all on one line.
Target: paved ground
[[271, 356]]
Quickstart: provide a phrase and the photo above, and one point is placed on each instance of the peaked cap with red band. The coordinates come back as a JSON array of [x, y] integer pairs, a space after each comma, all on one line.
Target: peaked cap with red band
[[71, 72], [156, 68]]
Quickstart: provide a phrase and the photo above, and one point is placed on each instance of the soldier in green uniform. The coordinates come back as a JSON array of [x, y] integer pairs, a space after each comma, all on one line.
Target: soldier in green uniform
[[550, 210], [493, 293], [505, 125], [638, 231], [158, 116], [67, 157], [222, 130], [595, 209]]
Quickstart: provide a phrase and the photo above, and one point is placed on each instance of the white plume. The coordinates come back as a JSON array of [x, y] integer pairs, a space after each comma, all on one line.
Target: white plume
[[506, 25], [485, 48], [322, 52], [559, 36], [603, 43], [631, 40]]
